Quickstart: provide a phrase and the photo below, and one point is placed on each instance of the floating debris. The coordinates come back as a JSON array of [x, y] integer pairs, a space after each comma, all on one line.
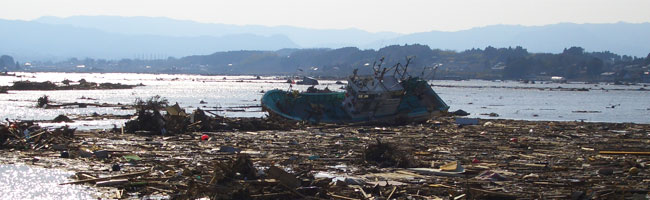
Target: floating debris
[[27, 135], [62, 118], [433, 160], [308, 81], [83, 85], [460, 112], [586, 111], [155, 116]]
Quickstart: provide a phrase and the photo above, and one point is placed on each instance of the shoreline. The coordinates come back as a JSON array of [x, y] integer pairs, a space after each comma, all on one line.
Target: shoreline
[[284, 77], [522, 159]]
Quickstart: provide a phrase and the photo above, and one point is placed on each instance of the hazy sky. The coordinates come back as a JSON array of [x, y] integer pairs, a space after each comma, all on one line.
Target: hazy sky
[[404, 16]]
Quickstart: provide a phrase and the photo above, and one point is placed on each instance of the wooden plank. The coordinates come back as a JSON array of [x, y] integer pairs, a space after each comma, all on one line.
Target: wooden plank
[[644, 153], [392, 192], [106, 178], [341, 197]]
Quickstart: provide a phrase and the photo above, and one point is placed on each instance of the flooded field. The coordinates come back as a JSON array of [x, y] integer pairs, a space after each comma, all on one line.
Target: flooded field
[[238, 96], [147, 164]]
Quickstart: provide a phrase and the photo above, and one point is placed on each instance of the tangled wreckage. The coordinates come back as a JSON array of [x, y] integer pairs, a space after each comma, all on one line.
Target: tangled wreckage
[[374, 98]]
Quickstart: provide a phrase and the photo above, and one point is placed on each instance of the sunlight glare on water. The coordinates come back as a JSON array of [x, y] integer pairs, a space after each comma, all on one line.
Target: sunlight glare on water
[[28, 182]]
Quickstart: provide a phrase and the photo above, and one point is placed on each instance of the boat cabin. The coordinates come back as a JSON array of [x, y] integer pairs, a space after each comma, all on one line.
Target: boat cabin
[[369, 97]]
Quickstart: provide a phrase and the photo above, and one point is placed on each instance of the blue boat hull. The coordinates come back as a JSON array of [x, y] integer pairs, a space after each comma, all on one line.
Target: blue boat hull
[[327, 107]]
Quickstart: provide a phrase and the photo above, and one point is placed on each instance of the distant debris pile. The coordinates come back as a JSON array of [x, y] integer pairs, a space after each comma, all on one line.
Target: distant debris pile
[[83, 85], [148, 116], [313, 89], [460, 112], [151, 120], [43, 101], [47, 103], [308, 81], [27, 135], [62, 118], [204, 122], [28, 85]]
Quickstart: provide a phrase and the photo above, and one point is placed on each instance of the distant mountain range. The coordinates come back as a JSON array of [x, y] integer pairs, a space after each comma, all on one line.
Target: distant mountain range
[[621, 38], [39, 41], [305, 38], [111, 37]]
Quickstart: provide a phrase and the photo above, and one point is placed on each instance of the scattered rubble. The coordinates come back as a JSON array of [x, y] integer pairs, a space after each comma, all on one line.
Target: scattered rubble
[[29, 136], [312, 89], [62, 118], [45, 102], [547, 160], [148, 116], [150, 119], [83, 85], [387, 155], [460, 112]]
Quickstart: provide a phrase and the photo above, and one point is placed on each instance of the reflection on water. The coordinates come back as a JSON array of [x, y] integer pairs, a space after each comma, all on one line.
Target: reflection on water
[[27, 182]]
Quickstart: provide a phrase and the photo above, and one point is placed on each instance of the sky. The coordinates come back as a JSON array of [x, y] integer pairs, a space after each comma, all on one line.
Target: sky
[[401, 16]]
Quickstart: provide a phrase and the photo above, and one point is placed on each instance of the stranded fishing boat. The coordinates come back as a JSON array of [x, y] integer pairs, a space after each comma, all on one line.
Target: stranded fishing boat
[[396, 98]]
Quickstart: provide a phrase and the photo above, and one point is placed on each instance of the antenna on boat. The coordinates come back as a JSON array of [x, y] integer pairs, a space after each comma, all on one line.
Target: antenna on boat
[[401, 71], [396, 66], [382, 73], [376, 70], [432, 73], [408, 61], [390, 68]]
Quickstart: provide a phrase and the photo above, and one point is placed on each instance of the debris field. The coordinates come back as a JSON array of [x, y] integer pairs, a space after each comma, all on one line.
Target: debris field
[[439, 159]]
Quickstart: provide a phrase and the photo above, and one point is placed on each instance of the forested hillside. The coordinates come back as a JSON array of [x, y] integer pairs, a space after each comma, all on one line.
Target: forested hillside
[[488, 63]]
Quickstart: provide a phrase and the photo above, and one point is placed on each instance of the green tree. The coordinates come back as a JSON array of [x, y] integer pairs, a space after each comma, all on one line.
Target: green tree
[[594, 67], [517, 67], [6, 61], [576, 51]]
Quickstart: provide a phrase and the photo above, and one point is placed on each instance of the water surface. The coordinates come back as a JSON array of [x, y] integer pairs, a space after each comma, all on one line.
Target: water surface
[[509, 99], [28, 182]]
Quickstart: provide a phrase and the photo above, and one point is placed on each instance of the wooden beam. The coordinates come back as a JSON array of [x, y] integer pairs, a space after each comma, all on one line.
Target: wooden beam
[[106, 178], [644, 153]]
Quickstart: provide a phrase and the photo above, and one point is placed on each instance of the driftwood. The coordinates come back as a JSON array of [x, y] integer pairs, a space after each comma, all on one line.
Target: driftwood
[[503, 159], [82, 105], [106, 178], [645, 153]]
